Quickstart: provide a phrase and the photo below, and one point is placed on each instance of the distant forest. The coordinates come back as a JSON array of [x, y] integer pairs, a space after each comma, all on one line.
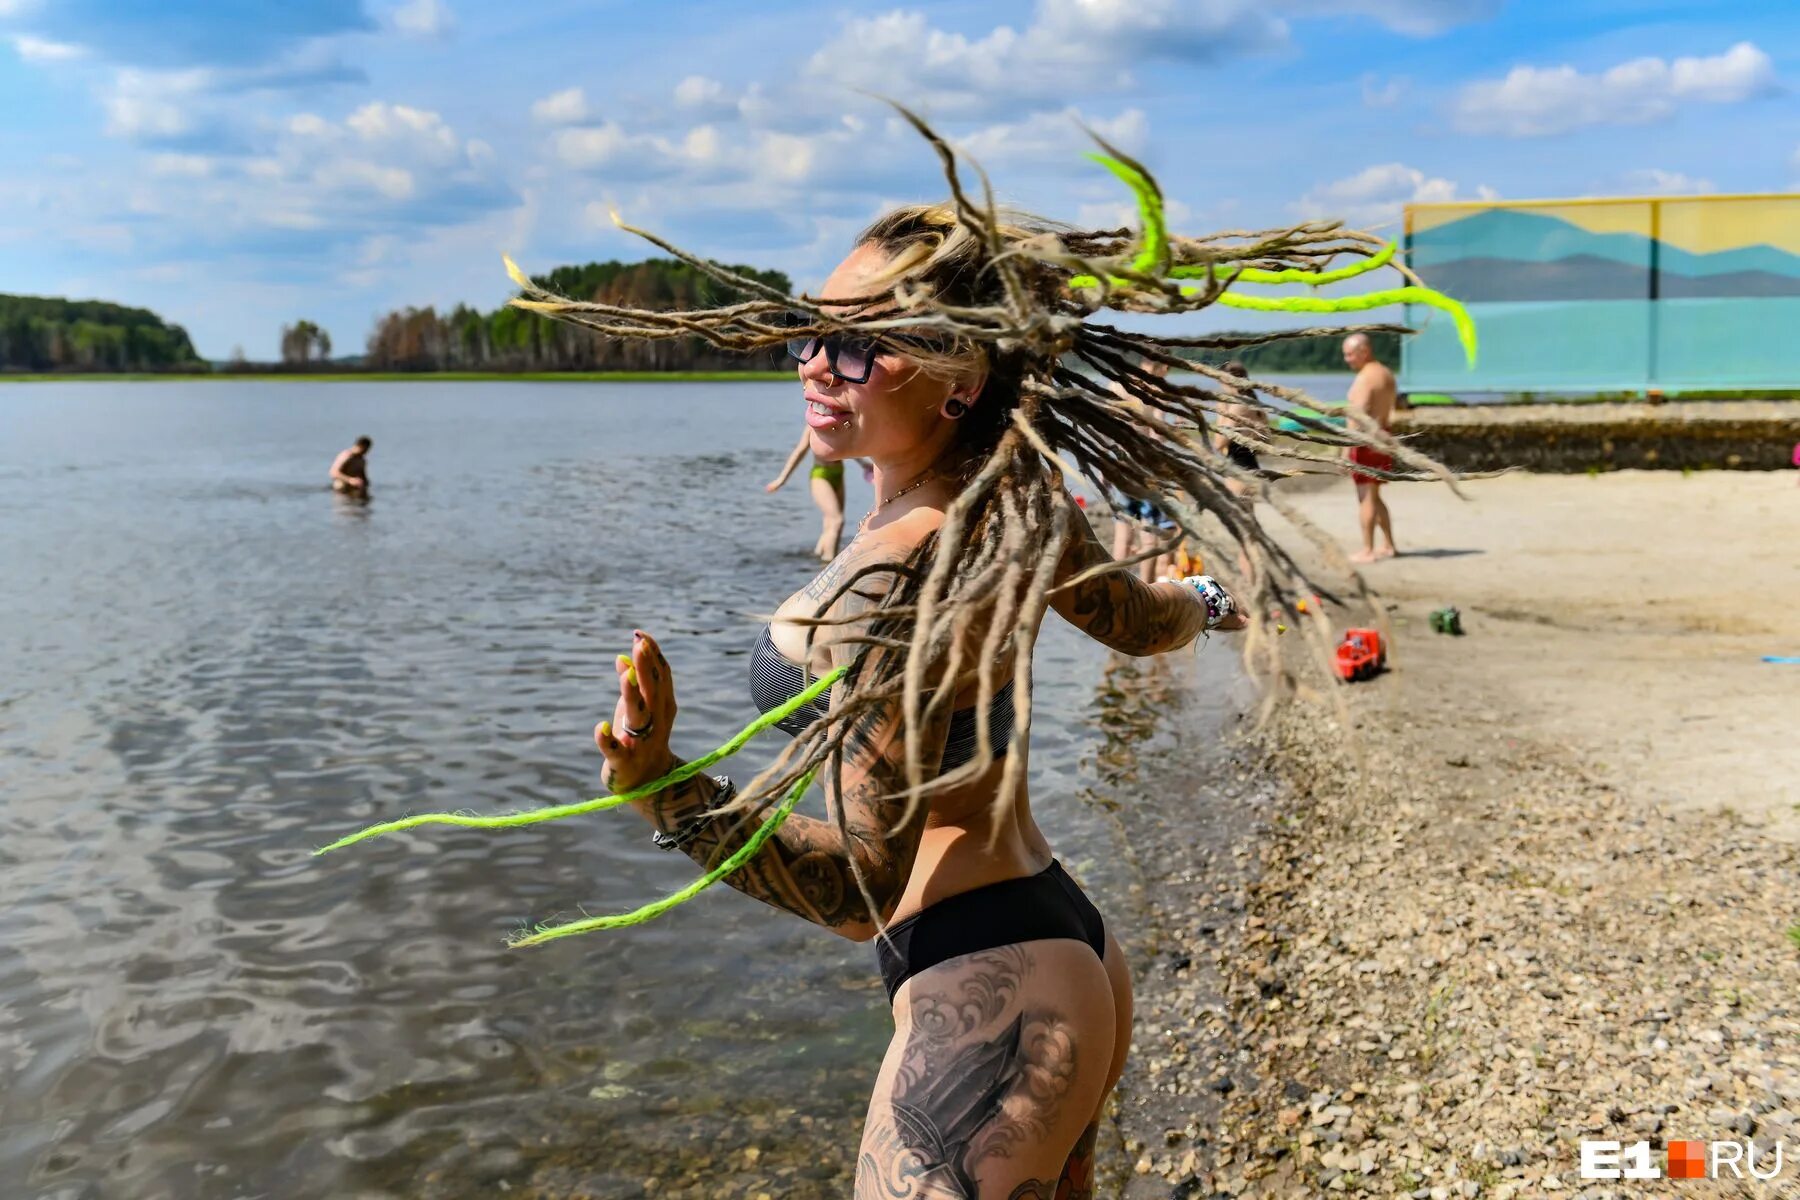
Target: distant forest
[[46, 334], [509, 339], [43, 334], [1304, 355]]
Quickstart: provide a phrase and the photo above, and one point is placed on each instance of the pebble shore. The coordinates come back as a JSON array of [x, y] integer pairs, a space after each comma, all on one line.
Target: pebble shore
[[1447, 953]]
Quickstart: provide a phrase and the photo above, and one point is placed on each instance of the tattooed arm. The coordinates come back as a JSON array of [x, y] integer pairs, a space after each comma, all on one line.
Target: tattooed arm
[[806, 868], [1119, 610]]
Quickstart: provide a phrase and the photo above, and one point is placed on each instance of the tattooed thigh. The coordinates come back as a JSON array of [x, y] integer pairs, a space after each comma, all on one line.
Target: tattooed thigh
[[998, 1063]]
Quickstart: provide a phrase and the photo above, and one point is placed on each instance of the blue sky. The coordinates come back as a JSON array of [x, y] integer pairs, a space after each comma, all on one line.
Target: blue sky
[[240, 165]]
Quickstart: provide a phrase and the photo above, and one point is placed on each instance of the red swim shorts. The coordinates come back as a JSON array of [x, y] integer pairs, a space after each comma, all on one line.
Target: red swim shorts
[[1366, 456]]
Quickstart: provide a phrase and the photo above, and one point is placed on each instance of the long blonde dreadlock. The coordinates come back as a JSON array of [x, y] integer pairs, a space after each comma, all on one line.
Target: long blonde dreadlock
[[1017, 297]]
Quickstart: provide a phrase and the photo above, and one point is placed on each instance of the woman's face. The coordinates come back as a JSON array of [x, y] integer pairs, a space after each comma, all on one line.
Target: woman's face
[[894, 415]]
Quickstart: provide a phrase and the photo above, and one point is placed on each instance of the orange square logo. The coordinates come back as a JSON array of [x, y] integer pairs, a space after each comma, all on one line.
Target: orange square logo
[[1687, 1160]]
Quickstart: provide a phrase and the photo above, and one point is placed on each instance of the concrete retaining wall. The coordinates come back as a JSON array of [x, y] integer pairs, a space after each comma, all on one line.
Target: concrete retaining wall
[[1746, 435]]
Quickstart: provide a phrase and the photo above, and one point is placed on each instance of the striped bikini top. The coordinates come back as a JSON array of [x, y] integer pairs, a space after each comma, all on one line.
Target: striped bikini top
[[774, 681]]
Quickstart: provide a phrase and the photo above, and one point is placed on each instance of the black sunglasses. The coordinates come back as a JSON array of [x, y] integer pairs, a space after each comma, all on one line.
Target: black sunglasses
[[851, 357], [847, 356]]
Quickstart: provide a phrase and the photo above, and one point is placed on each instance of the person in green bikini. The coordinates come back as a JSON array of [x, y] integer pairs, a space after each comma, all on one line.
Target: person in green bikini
[[827, 493]]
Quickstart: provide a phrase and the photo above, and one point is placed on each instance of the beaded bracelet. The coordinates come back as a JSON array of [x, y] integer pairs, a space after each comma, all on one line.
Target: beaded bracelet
[[1217, 599]]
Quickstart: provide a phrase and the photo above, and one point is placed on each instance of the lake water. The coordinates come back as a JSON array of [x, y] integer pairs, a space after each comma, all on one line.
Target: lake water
[[212, 666]]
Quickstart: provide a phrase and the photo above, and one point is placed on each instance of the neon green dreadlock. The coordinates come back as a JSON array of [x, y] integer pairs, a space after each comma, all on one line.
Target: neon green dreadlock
[[1152, 263]]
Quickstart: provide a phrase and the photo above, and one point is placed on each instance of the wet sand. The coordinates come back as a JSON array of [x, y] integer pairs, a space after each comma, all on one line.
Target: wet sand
[[1539, 889]]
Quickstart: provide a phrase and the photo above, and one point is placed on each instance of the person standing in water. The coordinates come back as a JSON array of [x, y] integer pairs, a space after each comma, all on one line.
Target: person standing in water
[[827, 492], [1372, 397], [350, 470]]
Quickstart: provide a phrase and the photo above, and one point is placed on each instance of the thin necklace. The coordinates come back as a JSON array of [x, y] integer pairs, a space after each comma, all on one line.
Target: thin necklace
[[921, 481]]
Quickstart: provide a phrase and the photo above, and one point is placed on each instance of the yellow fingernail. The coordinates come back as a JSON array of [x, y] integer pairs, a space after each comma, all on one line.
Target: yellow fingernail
[[606, 729], [625, 661], [631, 676]]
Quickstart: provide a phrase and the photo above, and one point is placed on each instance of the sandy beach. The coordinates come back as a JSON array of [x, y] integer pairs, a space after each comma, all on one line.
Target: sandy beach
[[1539, 890], [1626, 613]]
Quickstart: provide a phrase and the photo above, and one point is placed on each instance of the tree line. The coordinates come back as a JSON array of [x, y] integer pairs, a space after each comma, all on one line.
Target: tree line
[[42, 333], [304, 343], [510, 339], [48, 334]]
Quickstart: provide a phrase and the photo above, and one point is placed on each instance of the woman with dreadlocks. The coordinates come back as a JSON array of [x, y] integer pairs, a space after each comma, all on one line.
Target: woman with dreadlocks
[[960, 352], [1011, 1000]]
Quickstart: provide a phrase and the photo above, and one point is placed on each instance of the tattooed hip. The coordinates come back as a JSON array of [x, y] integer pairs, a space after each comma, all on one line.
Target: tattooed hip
[[993, 1084]]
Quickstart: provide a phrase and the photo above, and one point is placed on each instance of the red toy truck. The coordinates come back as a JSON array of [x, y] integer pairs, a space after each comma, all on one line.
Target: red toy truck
[[1360, 655]]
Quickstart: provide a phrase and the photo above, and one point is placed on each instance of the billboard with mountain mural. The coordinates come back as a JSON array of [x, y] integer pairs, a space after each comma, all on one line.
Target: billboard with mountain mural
[[1676, 293]]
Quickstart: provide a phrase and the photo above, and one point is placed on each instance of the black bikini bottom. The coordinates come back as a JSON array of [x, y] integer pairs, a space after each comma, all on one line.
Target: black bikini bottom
[[1030, 909]]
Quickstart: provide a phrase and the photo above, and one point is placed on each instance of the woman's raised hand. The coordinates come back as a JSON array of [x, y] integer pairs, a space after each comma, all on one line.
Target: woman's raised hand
[[636, 740]]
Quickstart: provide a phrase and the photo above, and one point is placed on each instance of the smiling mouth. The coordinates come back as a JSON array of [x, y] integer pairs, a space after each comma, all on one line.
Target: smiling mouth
[[824, 410]]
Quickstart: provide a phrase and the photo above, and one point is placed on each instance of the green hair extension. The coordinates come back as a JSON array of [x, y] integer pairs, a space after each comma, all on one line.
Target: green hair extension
[[656, 908], [1153, 253], [1465, 325], [1361, 266], [744, 853], [680, 774]]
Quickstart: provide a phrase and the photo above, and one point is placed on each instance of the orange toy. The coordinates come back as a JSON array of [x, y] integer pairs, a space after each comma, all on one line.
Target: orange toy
[[1360, 655]]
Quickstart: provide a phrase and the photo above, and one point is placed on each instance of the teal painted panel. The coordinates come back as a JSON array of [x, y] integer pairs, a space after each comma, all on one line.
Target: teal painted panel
[[1500, 251], [1520, 235], [1728, 343], [1532, 346]]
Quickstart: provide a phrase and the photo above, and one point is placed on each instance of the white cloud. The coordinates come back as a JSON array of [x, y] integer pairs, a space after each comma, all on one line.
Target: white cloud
[[1375, 195], [697, 91], [1653, 181], [42, 50], [899, 53], [703, 153], [594, 146], [420, 130], [424, 19], [358, 175], [186, 166], [787, 157], [1539, 101], [1416, 18], [340, 179], [567, 107], [287, 218], [1052, 136], [1117, 214], [152, 104]]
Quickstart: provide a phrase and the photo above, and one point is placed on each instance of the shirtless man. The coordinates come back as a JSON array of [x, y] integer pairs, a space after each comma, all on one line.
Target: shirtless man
[[350, 471], [1371, 396]]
